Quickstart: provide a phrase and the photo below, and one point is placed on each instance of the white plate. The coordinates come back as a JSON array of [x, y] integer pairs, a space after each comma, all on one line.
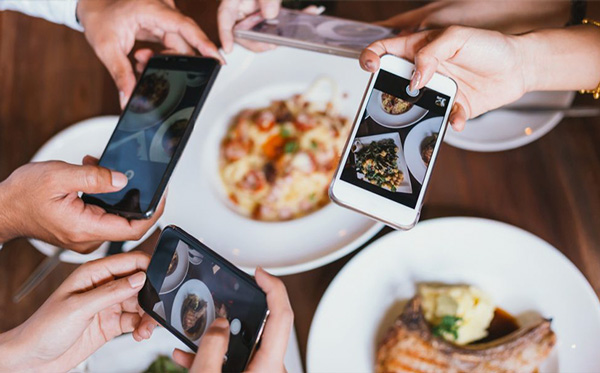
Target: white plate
[[352, 31], [519, 270], [503, 130], [88, 137], [197, 287], [375, 111], [124, 355], [405, 186], [175, 279], [412, 146], [197, 202]]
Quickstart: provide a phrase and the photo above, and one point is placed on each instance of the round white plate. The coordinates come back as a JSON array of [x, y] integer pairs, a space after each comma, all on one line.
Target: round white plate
[[124, 355], [197, 202], [343, 30], [157, 152], [88, 137], [520, 271], [175, 279], [412, 146], [198, 288], [139, 121], [503, 130], [375, 111]]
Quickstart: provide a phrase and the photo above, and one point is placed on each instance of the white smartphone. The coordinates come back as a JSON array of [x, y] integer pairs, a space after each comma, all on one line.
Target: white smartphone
[[388, 159], [313, 32]]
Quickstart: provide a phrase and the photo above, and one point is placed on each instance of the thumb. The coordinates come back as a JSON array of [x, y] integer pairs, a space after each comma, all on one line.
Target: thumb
[[111, 293], [93, 179], [212, 349], [269, 8]]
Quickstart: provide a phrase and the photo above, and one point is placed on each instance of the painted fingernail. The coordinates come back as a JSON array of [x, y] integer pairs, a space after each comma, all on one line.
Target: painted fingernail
[[122, 98], [320, 9], [119, 180], [415, 80], [137, 280]]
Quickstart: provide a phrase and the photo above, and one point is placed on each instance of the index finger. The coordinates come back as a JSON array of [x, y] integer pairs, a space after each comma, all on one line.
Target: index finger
[[401, 46], [226, 18]]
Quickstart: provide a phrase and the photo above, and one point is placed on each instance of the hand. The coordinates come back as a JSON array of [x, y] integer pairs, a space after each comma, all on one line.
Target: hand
[[508, 16], [269, 357], [486, 65], [112, 27], [40, 200], [93, 305]]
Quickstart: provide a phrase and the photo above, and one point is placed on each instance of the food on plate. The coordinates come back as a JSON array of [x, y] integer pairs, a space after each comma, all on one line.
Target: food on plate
[[151, 91], [173, 264], [193, 316], [173, 135], [458, 313], [164, 364], [277, 161], [394, 105], [378, 162], [411, 344], [427, 148]]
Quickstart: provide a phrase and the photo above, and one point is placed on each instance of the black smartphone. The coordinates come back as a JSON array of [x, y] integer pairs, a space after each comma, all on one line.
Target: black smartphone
[[188, 286], [153, 130]]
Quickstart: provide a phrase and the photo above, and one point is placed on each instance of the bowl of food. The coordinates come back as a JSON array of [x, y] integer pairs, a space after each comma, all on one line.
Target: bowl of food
[[177, 270], [193, 309], [419, 145], [252, 182], [457, 294], [393, 112]]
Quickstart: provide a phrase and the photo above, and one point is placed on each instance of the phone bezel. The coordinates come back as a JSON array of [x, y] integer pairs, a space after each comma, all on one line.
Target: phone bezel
[[243, 276], [365, 202], [167, 62]]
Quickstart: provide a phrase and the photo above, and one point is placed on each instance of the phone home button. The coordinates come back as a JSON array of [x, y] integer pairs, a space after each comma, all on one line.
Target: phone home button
[[235, 326]]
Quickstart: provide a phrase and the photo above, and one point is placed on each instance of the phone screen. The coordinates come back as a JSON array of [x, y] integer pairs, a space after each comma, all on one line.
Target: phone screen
[[323, 30], [151, 128], [189, 286], [395, 140]]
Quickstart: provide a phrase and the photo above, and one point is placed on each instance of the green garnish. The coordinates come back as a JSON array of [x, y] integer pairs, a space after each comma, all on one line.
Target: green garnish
[[285, 132], [163, 364], [290, 147], [448, 325], [314, 144]]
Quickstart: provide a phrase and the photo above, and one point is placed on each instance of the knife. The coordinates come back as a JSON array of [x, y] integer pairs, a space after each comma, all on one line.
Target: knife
[[38, 275]]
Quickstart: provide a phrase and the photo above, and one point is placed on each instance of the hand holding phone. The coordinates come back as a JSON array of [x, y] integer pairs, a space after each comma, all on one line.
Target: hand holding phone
[[269, 356], [189, 286], [388, 159], [152, 132]]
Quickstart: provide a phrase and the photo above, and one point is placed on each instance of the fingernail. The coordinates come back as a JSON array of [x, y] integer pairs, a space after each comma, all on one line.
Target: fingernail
[[119, 180], [221, 323], [122, 98], [369, 64], [149, 330], [137, 280], [320, 9], [415, 80], [270, 10]]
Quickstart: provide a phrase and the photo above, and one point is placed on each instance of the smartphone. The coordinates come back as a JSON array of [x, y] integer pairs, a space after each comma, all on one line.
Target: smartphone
[[152, 132], [313, 32], [389, 157], [188, 286]]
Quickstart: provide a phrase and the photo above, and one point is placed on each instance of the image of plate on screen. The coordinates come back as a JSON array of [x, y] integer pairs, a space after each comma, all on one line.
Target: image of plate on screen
[[169, 134], [193, 309], [177, 269]]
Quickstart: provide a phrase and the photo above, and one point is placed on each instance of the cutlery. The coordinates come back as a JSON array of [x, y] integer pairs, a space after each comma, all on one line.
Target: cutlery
[[38, 275]]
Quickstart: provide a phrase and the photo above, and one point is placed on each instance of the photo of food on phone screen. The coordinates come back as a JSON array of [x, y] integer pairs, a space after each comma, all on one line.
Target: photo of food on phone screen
[[149, 132], [394, 144], [189, 288]]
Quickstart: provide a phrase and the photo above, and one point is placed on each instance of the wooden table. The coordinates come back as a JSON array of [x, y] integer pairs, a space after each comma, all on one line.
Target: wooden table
[[50, 78]]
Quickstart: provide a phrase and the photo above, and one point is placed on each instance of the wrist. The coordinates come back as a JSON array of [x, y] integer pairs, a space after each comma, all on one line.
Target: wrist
[[527, 65], [11, 350], [8, 222]]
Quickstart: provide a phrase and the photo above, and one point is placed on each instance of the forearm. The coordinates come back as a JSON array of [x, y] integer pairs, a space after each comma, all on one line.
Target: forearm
[[57, 11], [8, 225], [561, 59]]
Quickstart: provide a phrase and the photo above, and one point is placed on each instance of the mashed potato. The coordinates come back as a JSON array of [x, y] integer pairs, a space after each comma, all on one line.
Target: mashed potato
[[459, 313]]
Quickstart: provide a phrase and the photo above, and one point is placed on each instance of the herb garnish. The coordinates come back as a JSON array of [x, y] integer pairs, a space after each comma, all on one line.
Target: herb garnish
[[448, 325]]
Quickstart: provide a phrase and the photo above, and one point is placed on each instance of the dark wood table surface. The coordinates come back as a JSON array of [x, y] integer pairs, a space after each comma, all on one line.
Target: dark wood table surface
[[50, 79]]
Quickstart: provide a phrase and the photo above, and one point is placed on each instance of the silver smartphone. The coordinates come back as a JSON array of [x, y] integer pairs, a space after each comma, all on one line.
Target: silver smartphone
[[313, 32], [388, 159]]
